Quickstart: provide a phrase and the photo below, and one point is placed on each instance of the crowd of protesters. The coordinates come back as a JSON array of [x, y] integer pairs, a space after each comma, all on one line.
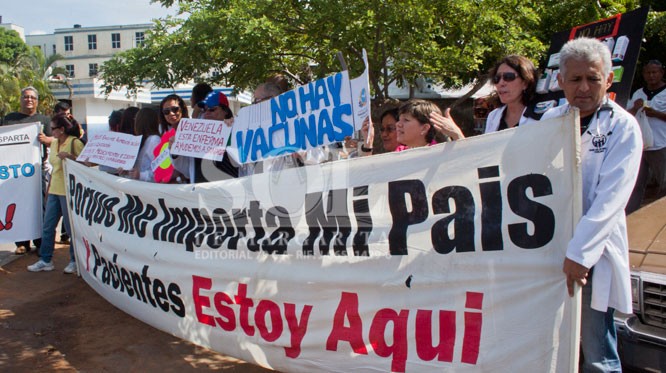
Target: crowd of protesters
[[597, 255]]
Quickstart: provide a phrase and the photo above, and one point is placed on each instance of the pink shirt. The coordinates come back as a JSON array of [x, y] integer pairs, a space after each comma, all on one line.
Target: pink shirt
[[405, 147]]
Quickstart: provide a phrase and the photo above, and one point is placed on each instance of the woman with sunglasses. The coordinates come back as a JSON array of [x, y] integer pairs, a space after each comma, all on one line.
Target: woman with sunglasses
[[515, 80], [65, 145], [172, 110]]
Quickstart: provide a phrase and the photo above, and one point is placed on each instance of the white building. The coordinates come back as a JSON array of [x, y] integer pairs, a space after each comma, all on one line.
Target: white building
[[85, 49], [11, 26]]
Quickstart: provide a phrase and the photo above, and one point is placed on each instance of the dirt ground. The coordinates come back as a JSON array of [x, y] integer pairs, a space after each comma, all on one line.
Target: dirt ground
[[51, 321]]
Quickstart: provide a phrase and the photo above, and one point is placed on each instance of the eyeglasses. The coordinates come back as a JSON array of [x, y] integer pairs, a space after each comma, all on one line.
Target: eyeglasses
[[387, 129], [29, 98], [508, 77], [171, 110]]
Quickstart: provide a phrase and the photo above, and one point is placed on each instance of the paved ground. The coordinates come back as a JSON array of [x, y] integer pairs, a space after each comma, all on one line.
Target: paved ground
[[50, 321], [7, 254]]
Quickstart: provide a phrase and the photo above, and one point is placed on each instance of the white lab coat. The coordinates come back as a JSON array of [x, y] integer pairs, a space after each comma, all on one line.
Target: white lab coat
[[609, 171], [495, 116]]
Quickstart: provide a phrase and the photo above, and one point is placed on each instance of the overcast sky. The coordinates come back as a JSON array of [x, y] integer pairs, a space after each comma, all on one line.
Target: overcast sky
[[44, 16]]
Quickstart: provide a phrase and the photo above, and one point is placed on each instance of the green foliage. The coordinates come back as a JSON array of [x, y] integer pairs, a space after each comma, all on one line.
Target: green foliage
[[11, 46], [241, 42], [22, 66]]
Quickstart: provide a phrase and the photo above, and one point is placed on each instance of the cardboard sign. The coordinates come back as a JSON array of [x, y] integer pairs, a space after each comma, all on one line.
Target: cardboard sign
[[112, 149]]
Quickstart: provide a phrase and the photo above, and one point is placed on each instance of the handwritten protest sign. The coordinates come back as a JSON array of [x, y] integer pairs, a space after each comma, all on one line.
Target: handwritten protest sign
[[201, 138], [113, 149]]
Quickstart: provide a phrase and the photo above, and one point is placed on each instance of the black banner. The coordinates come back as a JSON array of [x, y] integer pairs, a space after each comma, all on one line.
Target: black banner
[[622, 33]]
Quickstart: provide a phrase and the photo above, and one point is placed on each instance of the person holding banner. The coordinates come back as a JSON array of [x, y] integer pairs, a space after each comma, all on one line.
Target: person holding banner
[[66, 145], [387, 130], [611, 152], [514, 78], [146, 125], [172, 110], [216, 107], [29, 114]]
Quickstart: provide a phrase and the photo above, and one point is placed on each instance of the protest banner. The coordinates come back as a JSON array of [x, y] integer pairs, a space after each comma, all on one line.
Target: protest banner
[[201, 138], [441, 258], [20, 183], [112, 149], [622, 33], [319, 113]]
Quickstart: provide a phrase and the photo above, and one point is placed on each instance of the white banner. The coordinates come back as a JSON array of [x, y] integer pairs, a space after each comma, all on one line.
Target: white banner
[[442, 258], [319, 113], [201, 138], [113, 149], [20, 183]]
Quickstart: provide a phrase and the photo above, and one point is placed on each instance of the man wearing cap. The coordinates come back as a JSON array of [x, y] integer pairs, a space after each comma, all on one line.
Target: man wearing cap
[[28, 114], [652, 99], [216, 107]]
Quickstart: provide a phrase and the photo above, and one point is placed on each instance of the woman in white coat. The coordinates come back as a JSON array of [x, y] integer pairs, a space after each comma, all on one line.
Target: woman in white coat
[[515, 80]]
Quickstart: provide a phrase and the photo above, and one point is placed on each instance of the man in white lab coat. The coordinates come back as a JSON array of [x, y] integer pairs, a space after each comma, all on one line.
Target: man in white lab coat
[[597, 256]]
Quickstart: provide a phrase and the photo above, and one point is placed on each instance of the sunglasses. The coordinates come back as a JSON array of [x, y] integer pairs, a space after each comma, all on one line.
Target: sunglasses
[[171, 110], [508, 77]]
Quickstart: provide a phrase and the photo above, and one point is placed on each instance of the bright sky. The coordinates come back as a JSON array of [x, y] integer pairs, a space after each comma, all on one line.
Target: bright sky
[[44, 16]]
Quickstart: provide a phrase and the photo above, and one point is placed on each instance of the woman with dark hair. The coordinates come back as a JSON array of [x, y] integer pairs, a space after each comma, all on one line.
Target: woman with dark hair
[[147, 126], [515, 80], [172, 110], [127, 120], [414, 128], [418, 123], [115, 118], [66, 145], [387, 131]]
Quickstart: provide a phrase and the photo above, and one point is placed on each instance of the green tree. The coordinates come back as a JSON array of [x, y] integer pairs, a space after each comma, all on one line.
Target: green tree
[[11, 46], [242, 42], [22, 66], [452, 42]]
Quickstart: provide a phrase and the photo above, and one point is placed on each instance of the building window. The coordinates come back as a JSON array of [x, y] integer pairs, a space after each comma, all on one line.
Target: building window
[[69, 43], [92, 42], [70, 70], [115, 41], [54, 49], [92, 69], [139, 38]]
